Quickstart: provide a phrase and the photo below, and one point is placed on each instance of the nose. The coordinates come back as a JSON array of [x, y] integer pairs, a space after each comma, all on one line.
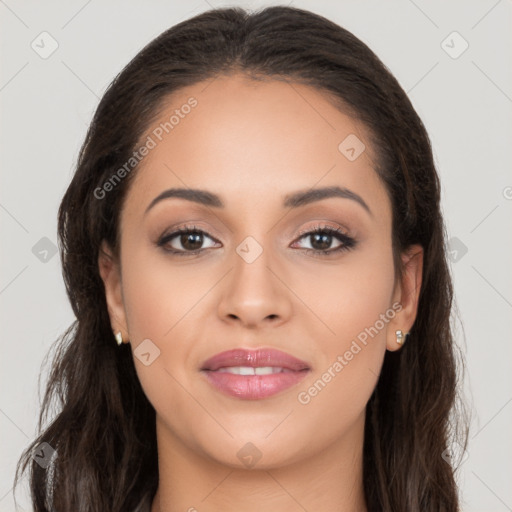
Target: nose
[[255, 294]]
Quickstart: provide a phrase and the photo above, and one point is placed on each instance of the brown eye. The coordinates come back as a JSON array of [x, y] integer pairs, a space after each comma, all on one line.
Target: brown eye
[[321, 240], [191, 241], [184, 241]]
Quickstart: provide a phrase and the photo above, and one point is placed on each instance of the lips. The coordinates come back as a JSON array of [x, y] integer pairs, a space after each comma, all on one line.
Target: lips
[[253, 375], [254, 359]]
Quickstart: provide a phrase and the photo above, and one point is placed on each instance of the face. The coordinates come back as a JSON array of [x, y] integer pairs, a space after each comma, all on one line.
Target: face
[[253, 273]]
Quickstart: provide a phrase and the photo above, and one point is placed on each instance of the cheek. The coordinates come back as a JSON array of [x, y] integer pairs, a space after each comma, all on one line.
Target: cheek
[[347, 296], [161, 303], [159, 294], [353, 301]]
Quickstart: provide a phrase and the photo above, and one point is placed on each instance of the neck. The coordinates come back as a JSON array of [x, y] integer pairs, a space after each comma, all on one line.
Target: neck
[[331, 480]]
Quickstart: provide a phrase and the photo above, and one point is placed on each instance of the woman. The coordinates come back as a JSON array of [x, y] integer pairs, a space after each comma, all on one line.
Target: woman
[[253, 247]]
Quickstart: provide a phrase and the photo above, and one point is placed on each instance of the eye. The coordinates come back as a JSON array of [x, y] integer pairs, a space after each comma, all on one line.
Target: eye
[[184, 241], [189, 240], [321, 239]]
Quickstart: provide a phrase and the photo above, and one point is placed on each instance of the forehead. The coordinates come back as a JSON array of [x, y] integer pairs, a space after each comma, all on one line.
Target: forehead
[[245, 139]]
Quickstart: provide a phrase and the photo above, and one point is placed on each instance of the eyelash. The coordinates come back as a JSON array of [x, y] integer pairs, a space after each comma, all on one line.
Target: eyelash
[[348, 242]]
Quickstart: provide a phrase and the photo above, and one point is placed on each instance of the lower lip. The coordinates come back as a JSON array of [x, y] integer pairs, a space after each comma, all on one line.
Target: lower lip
[[253, 387]]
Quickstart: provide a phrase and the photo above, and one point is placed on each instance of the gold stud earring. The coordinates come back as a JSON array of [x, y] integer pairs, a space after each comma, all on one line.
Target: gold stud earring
[[401, 337], [119, 337]]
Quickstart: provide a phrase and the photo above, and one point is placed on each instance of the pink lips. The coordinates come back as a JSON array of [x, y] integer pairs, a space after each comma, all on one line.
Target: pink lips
[[253, 387]]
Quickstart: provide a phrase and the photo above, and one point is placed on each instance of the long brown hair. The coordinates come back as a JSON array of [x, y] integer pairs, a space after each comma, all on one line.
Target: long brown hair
[[104, 434]]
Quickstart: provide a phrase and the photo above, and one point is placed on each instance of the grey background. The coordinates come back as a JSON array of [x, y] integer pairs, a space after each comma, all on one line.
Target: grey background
[[465, 103]]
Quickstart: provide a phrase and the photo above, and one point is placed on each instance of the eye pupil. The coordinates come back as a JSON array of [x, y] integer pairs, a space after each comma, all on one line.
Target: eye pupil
[[325, 241], [191, 238]]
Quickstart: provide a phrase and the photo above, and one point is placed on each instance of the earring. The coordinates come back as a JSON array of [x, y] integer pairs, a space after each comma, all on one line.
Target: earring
[[401, 337], [119, 337]]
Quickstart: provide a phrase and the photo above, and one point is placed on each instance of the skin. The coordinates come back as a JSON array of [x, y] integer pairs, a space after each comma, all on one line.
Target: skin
[[252, 143]]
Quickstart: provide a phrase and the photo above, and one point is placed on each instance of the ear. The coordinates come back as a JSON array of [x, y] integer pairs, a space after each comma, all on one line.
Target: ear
[[406, 293], [110, 273]]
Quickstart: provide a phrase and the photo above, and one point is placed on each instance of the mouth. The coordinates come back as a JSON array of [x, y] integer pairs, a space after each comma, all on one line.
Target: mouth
[[254, 374]]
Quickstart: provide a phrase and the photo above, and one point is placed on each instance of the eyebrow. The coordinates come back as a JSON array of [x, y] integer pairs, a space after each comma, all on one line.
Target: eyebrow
[[294, 200]]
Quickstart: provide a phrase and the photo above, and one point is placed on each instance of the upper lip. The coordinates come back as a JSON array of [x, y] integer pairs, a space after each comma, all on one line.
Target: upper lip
[[254, 358]]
